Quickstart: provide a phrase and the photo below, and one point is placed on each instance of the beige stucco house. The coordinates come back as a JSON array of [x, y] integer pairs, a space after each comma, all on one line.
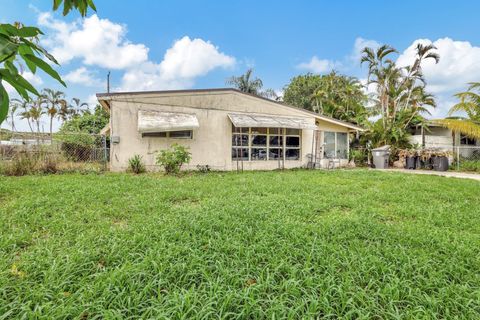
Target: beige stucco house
[[224, 128], [435, 136]]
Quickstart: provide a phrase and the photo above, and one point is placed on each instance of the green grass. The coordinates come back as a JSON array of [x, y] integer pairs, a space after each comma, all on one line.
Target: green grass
[[294, 244]]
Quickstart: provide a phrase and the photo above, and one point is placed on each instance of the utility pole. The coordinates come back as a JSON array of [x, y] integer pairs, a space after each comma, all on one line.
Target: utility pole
[[108, 82]]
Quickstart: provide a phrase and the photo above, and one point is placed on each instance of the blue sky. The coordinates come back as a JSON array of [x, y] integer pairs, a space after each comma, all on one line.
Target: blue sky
[[198, 44]]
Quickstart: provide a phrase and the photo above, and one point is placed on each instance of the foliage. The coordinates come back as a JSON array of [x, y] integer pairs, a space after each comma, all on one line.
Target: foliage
[[49, 164], [203, 168], [400, 98], [468, 165], [56, 104], [333, 95], [470, 104], [136, 164], [172, 159], [245, 83], [257, 245], [359, 156], [87, 122], [19, 46], [21, 164]]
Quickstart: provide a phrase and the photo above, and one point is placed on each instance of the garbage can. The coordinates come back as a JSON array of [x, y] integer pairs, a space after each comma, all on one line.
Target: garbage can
[[381, 156]]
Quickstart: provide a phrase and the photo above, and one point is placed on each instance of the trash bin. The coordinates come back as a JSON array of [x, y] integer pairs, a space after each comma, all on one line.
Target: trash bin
[[381, 156]]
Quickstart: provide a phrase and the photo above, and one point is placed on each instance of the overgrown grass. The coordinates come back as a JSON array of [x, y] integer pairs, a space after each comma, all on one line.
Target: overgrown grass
[[294, 244]]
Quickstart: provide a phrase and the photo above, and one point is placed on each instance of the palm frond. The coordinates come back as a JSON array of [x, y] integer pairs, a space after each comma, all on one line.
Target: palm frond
[[467, 127]]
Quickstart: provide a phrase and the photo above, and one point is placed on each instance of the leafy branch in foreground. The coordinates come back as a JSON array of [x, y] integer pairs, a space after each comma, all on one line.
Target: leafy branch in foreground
[[19, 47]]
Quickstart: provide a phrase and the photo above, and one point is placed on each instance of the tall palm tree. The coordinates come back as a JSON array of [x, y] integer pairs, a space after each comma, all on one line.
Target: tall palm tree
[[400, 91], [246, 83], [25, 114], [36, 111], [12, 111], [77, 107], [55, 100], [470, 104]]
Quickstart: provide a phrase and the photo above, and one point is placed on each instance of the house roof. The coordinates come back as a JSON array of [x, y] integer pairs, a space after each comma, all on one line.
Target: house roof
[[101, 96]]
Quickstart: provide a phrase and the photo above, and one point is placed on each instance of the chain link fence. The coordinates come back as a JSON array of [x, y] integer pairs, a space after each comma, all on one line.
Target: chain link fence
[[466, 158], [65, 151]]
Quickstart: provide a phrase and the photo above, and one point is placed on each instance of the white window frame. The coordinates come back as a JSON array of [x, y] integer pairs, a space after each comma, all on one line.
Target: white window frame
[[271, 132], [336, 144]]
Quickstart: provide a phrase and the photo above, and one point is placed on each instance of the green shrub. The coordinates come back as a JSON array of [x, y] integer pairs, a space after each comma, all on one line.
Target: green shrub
[[78, 147], [136, 165], [359, 156], [469, 165], [173, 159]]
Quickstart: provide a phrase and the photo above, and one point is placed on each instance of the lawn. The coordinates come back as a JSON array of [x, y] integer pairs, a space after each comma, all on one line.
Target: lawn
[[294, 244]]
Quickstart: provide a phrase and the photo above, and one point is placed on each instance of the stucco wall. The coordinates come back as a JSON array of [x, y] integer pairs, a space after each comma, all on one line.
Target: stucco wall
[[212, 141]]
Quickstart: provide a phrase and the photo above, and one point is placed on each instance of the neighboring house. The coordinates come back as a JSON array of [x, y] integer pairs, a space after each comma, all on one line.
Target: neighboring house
[[225, 129], [438, 137]]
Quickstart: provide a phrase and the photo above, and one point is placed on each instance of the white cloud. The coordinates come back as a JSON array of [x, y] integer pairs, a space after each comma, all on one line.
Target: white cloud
[[345, 64], [317, 65], [359, 45], [458, 65], [186, 60], [84, 77], [96, 41]]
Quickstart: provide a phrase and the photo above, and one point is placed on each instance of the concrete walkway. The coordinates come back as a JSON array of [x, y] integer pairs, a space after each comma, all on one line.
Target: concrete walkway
[[449, 174]]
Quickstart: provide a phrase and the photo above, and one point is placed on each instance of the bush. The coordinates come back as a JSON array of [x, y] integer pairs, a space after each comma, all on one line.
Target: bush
[[78, 147], [469, 165], [203, 169], [173, 159], [21, 164], [136, 165]]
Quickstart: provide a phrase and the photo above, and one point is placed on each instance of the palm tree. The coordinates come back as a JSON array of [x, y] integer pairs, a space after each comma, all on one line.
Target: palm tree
[[36, 111], [14, 105], [25, 114], [78, 107], [470, 104], [400, 96], [55, 101], [246, 83]]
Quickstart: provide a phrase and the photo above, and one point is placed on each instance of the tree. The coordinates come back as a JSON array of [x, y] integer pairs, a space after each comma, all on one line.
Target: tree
[[37, 110], [246, 83], [25, 114], [19, 46], [14, 105], [77, 107], [300, 90], [91, 123], [55, 100], [334, 95], [470, 104], [400, 98]]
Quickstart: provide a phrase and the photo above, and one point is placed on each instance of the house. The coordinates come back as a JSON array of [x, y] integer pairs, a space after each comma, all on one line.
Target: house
[[435, 136], [225, 129]]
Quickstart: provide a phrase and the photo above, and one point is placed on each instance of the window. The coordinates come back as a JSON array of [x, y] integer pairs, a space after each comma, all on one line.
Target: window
[[263, 144], [335, 145], [184, 134], [466, 140]]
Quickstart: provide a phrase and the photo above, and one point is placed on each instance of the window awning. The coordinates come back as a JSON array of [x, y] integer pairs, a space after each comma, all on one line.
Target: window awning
[[157, 121], [252, 121]]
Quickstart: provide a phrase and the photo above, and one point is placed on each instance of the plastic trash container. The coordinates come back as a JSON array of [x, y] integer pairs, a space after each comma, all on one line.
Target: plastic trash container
[[381, 156]]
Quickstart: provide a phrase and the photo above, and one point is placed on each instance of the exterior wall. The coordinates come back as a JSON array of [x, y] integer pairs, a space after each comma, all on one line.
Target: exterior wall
[[327, 126], [212, 141]]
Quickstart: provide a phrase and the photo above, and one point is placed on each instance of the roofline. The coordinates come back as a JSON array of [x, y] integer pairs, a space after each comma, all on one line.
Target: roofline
[[319, 116]]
